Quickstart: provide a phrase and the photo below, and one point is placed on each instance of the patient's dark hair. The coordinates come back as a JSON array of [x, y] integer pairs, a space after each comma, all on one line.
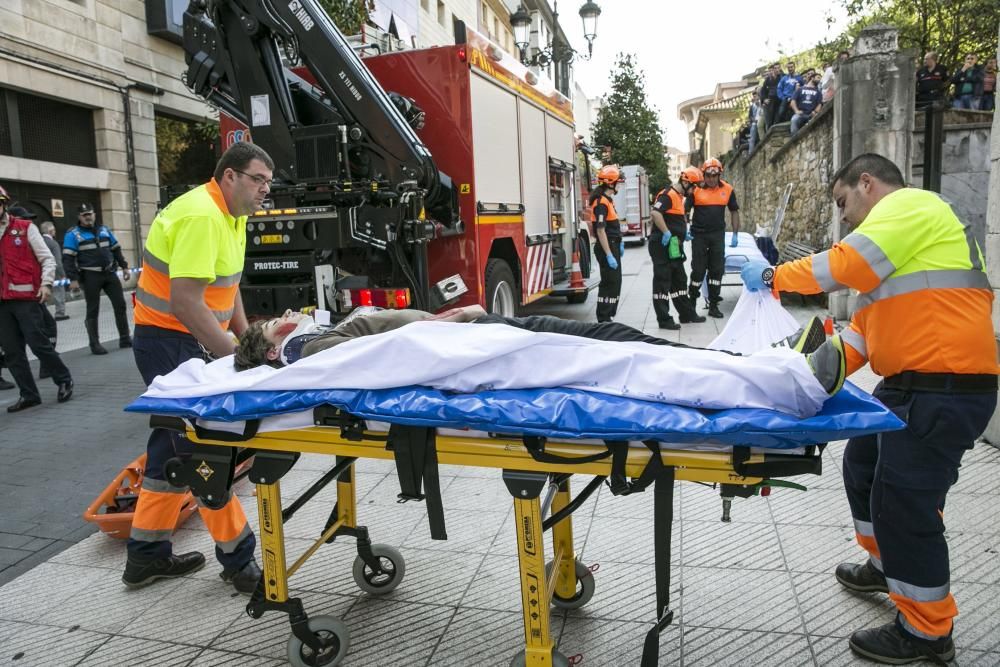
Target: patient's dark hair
[[252, 349], [878, 166]]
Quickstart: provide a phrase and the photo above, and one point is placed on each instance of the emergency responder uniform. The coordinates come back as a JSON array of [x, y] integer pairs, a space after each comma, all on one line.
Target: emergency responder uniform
[[667, 252], [27, 269], [193, 237], [90, 255], [708, 227], [923, 323], [605, 218]]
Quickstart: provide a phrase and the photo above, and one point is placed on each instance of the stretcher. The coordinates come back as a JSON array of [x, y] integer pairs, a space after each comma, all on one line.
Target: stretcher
[[746, 250], [620, 442]]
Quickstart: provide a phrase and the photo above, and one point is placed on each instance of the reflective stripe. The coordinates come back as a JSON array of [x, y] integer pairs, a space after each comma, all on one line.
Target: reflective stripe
[[226, 281], [117, 245], [155, 262], [822, 273], [67, 251], [918, 593], [914, 282], [857, 341], [876, 561], [20, 288], [104, 244], [161, 486], [913, 631], [229, 546], [224, 315], [163, 306], [870, 251], [143, 535], [864, 528]]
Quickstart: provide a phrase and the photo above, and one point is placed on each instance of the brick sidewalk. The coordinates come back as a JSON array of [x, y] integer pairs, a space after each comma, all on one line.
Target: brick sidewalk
[[757, 591]]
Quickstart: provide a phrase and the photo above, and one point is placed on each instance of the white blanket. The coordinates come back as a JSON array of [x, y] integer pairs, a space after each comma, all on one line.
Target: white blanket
[[475, 357]]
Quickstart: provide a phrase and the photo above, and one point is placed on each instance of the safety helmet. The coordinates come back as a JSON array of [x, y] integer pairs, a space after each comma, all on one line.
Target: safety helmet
[[712, 163], [3, 194], [609, 175], [692, 175]]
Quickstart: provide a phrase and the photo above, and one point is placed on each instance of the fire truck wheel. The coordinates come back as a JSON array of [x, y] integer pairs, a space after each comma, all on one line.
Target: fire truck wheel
[[502, 295]]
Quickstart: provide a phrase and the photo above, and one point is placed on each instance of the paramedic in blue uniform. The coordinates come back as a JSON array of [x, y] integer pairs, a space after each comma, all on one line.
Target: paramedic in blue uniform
[[90, 255]]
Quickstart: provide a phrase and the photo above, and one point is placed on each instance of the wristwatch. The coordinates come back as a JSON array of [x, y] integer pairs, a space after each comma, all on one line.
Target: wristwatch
[[768, 276]]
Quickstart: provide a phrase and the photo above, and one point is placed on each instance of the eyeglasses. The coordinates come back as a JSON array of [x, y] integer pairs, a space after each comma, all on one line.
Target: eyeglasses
[[257, 178]]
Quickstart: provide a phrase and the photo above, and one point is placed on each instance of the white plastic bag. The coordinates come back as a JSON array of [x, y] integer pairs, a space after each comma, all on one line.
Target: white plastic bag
[[757, 322]]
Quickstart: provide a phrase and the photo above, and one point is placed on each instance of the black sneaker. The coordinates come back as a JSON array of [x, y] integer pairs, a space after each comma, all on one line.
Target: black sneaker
[[245, 579], [829, 364], [670, 324], [807, 339], [864, 578], [65, 392], [142, 573], [887, 644], [713, 311]]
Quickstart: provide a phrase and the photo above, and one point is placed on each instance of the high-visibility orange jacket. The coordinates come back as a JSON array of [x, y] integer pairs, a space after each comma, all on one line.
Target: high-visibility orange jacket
[[925, 302]]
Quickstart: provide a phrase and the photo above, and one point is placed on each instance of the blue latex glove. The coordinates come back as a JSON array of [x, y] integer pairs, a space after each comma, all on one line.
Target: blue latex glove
[[757, 275], [612, 262], [621, 248], [736, 240], [665, 240], [689, 236]]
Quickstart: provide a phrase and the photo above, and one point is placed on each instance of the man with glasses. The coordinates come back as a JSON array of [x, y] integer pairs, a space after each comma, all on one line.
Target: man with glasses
[[188, 299], [90, 255]]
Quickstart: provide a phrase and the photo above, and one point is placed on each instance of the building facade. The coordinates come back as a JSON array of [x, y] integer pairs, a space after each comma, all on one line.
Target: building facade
[[710, 119]]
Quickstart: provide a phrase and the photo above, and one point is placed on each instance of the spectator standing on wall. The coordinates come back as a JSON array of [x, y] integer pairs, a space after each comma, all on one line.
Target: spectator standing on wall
[[932, 79], [988, 101], [769, 96], [806, 103], [968, 84], [826, 82], [787, 87], [753, 117]]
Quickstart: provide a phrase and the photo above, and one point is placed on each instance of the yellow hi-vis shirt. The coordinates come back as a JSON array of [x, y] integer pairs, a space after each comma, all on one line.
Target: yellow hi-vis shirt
[[193, 237]]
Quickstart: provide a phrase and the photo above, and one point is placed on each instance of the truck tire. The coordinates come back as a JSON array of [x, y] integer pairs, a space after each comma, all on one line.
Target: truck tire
[[502, 293]]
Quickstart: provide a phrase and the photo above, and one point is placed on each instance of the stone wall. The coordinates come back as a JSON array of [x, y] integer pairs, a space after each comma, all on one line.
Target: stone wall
[[805, 161], [965, 164], [992, 251]]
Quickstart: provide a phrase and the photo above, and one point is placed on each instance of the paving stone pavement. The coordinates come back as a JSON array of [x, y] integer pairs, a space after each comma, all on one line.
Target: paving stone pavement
[[757, 591]]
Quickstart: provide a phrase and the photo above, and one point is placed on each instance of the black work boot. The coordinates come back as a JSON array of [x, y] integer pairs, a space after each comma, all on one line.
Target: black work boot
[[713, 311], [95, 339], [121, 321], [245, 579], [669, 324], [864, 578], [139, 573], [889, 645]]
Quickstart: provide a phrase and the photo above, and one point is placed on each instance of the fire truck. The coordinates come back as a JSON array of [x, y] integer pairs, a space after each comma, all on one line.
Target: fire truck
[[455, 188]]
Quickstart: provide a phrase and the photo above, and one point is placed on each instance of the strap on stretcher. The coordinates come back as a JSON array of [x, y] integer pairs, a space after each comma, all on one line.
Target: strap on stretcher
[[618, 481]]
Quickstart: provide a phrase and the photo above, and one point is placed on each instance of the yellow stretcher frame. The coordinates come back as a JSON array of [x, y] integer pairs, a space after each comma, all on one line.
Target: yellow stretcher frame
[[525, 477]]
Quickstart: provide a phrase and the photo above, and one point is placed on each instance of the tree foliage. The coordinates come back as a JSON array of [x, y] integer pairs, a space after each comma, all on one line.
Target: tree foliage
[[628, 126], [953, 28], [348, 15], [186, 151]]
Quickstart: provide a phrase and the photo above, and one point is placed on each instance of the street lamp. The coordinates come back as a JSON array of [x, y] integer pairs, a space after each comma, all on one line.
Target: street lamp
[[520, 22]]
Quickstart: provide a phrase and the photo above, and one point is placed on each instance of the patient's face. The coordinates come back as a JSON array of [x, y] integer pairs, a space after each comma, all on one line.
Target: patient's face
[[277, 329]]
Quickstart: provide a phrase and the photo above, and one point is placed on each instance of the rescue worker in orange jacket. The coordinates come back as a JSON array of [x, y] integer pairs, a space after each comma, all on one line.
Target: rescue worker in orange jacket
[[609, 244], [187, 298], [923, 322], [666, 249], [708, 204]]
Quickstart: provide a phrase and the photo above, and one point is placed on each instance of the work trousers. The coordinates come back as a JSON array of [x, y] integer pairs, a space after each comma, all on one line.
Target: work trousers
[[897, 483], [157, 352], [708, 252], [609, 331], [669, 283], [611, 280], [22, 323], [59, 298], [95, 282]]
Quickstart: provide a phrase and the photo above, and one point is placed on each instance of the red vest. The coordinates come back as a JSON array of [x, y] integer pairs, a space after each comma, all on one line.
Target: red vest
[[20, 272]]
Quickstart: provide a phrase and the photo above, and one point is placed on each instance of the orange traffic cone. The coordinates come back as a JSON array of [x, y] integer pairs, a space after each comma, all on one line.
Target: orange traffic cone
[[576, 277], [828, 326]]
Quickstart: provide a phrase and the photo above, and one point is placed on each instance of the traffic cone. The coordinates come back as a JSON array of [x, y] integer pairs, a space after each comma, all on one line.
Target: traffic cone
[[828, 326], [576, 277]]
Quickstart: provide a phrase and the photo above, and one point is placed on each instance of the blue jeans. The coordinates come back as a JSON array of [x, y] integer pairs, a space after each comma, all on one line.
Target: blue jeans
[[753, 136], [798, 120], [964, 102]]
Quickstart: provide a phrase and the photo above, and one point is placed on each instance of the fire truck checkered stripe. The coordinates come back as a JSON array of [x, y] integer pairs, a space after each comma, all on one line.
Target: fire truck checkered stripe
[[539, 268]]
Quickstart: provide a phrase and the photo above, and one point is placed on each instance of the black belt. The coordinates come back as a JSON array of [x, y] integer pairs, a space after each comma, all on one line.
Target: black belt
[[150, 331], [958, 383]]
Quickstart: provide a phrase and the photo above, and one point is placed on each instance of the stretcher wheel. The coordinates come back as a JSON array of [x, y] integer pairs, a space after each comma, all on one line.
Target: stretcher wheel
[[380, 584], [558, 659], [327, 627], [585, 586]]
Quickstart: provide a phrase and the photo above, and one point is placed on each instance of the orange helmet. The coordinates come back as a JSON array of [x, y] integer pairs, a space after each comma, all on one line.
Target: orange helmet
[[712, 163], [609, 175], [692, 175]]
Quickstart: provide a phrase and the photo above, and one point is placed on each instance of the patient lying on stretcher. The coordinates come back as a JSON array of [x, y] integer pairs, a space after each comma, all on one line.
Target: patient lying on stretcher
[[283, 340]]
